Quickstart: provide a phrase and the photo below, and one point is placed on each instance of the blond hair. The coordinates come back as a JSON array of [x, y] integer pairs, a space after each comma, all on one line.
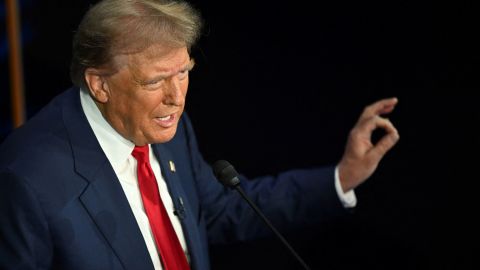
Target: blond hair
[[113, 27]]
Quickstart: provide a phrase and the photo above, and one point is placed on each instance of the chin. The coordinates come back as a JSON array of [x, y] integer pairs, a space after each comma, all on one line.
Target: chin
[[166, 137]]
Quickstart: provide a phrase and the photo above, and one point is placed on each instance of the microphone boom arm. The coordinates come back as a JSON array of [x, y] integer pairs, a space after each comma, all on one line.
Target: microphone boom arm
[[269, 224], [228, 176]]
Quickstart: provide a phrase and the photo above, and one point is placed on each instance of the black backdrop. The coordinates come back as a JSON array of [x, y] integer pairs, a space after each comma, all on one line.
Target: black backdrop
[[278, 85]]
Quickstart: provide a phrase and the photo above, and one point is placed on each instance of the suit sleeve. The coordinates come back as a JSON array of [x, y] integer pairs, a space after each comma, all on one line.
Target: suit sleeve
[[291, 200], [24, 234]]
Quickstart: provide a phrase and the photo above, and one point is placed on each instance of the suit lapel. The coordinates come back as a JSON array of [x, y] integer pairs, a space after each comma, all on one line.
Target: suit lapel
[[108, 206], [104, 198], [181, 203]]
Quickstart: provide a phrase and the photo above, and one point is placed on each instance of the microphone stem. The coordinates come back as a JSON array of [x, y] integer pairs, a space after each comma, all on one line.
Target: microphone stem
[[284, 241]]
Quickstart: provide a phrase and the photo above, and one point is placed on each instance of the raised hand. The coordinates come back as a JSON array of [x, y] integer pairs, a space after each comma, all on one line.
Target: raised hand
[[361, 156]]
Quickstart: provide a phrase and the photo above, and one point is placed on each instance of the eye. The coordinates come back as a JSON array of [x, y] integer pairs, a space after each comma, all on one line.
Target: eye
[[182, 74], [153, 84]]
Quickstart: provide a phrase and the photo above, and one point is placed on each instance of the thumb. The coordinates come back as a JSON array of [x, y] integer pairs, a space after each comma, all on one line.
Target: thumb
[[384, 145]]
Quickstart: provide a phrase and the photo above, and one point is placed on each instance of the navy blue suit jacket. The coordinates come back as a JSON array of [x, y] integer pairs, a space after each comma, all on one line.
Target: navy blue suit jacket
[[62, 206]]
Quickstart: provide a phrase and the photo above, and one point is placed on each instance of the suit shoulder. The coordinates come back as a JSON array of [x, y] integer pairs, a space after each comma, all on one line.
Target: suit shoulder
[[39, 140]]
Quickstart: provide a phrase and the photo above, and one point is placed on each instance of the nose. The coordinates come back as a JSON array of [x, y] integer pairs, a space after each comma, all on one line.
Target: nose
[[174, 94]]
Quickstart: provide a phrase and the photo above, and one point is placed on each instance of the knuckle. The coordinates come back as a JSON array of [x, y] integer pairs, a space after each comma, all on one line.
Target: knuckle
[[366, 110], [354, 133]]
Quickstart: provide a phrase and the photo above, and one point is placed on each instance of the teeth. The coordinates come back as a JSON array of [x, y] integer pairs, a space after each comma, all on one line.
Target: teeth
[[165, 118]]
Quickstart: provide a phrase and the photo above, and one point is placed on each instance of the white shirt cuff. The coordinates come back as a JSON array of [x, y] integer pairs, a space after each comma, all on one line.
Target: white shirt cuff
[[348, 199]]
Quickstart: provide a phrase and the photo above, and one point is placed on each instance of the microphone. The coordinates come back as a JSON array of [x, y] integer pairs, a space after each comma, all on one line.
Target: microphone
[[228, 176]]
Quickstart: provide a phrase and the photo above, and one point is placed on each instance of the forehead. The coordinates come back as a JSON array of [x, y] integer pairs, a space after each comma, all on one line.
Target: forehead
[[156, 58]]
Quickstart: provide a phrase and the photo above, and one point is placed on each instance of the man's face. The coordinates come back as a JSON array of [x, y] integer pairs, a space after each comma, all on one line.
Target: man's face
[[146, 96]]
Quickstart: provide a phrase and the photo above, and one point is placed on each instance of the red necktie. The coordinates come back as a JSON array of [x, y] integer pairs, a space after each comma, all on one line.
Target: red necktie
[[171, 252]]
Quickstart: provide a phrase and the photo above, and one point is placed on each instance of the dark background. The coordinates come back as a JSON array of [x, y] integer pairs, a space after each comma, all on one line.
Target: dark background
[[279, 84]]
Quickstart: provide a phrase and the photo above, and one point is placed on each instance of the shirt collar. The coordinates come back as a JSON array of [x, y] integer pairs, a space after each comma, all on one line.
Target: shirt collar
[[116, 148]]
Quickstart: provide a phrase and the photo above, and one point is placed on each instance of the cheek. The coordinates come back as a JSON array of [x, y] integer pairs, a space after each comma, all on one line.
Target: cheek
[[123, 105], [184, 87], [129, 109], [185, 84], [148, 106]]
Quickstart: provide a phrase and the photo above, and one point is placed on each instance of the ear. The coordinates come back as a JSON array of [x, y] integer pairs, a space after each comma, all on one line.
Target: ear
[[97, 84]]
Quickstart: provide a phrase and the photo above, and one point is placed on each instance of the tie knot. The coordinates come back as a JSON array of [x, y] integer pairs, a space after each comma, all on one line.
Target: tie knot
[[140, 153]]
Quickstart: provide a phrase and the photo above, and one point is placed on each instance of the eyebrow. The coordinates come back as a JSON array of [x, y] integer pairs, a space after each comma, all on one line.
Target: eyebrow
[[187, 67]]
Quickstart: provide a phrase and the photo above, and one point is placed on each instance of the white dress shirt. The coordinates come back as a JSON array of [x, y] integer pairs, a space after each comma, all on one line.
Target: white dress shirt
[[119, 152], [348, 199]]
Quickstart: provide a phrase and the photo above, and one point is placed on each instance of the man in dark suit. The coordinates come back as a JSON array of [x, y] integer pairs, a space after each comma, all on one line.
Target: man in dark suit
[[71, 193]]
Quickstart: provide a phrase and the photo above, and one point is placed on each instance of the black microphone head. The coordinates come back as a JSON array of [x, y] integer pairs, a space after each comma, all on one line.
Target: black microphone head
[[226, 173]]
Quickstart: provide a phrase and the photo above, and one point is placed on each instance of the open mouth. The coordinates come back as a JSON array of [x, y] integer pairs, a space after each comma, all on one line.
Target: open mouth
[[166, 121]]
